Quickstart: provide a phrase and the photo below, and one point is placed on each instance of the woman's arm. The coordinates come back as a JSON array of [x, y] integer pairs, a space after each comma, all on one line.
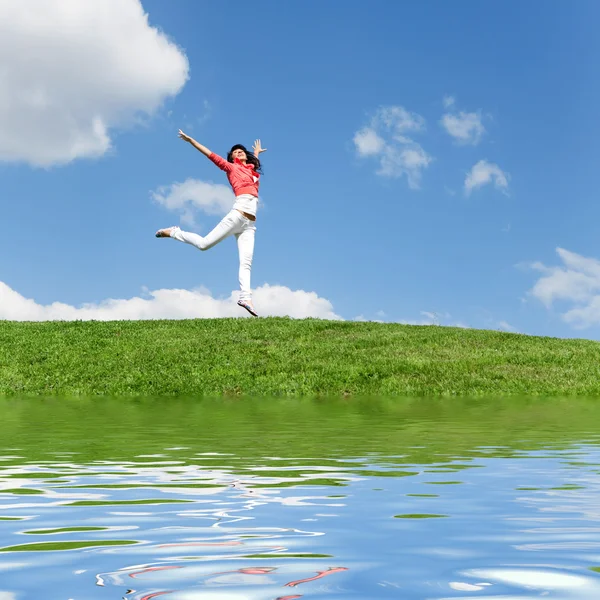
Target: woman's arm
[[219, 161], [193, 142]]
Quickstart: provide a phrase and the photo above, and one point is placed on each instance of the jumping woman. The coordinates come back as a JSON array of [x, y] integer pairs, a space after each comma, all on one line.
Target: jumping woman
[[243, 171]]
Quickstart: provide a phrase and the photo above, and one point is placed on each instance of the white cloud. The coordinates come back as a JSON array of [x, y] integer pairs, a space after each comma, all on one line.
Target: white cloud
[[270, 300], [449, 101], [434, 318], [193, 194], [465, 128], [385, 138], [483, 173], [72, 70], [504, 326], [584, 316], [409, 160], [430, 316], [363, 319], [575, 284], [368, 142], [398, 120]]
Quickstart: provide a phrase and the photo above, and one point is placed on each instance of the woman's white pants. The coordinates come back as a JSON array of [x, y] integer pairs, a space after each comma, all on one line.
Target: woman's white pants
[[233, 223]]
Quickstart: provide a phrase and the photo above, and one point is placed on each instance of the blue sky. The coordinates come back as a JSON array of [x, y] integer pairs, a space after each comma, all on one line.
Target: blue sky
[[427, 161]]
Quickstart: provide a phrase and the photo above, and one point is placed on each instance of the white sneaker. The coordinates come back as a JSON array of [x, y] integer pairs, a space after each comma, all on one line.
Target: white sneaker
[[248, 307], [166, 232]]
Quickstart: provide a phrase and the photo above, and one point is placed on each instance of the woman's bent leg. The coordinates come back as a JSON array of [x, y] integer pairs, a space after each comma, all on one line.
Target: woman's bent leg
[[230, 224]]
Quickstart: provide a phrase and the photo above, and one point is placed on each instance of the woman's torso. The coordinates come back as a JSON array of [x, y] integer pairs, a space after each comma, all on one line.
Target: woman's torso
[[244, 179]]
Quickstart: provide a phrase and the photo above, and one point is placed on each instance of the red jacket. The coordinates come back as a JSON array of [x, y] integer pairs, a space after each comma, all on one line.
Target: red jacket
[[242, 177]]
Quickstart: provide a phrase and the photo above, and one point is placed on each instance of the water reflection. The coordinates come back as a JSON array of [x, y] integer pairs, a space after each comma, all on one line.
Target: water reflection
[[273, 500], [267, 577]]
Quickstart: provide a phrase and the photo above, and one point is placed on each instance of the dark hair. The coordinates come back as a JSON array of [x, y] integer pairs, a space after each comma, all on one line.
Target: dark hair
[[249, 157]]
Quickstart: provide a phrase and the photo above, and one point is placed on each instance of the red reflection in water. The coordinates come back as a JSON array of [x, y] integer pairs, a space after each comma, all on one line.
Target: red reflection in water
[[155, 595], [245, 571], [254, 570], [151, 569], [320, 574]]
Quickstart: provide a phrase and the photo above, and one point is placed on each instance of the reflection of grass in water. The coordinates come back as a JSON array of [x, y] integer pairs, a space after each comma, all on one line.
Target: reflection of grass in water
[[12, 518], [452, 468], [54, 546], [568, 486], [124, 502], [337, 463], [350, 472], [22, 492], [34, 475], [443, 482], [58, 477], [64, 530], [440, 471], [354, 470], [96, 474], [423, 495], [286, 484], [364, 473], [528, 489], [457, 467], [401, 434], [128, 486], [419, 516], [289, 474]]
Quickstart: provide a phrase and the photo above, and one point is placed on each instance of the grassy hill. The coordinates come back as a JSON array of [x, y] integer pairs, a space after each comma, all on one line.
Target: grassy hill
[[276, 356]]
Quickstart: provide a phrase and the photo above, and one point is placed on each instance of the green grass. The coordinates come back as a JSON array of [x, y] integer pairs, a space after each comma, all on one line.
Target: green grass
[[148, 502], [277, 356], [54, 546], [420, 516], [64, 530]]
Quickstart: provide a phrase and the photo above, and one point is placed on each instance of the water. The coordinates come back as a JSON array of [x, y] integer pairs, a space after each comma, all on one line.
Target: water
[[282, 499]]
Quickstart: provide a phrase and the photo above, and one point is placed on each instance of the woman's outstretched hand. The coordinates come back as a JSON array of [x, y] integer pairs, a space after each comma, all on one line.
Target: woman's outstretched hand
[[257, 148], [184, 137]]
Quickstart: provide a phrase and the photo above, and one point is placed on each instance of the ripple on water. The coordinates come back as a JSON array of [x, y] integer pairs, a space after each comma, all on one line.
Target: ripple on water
[[254, 513]]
